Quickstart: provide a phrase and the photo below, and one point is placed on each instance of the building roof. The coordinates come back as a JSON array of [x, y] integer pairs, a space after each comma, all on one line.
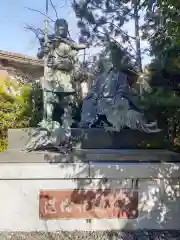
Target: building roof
[[20, 58]]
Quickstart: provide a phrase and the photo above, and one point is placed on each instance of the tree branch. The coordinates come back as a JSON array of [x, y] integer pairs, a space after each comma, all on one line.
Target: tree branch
[[124, 34], [109, 38], [34, 30], [51, 2], [35, 10]]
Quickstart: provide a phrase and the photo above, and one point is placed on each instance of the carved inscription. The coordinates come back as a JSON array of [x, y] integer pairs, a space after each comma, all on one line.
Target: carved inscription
[[88, 204]]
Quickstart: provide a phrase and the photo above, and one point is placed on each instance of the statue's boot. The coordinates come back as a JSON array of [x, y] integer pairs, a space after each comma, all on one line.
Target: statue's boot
[[151, 124], [101, 120], [145, 128]]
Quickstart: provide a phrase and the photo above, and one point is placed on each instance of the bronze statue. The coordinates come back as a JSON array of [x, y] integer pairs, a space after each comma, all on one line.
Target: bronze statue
[[58, 86], [112, 102]]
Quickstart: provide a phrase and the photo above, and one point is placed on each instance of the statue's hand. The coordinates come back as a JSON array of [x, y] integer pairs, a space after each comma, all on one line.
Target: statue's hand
[[92, 95], [40, 54], [46, 49], [83, 46], [134, 92], [43, 51]]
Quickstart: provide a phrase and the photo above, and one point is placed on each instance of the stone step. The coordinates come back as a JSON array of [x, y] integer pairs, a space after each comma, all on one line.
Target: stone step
[[66, 171], [92, 155]]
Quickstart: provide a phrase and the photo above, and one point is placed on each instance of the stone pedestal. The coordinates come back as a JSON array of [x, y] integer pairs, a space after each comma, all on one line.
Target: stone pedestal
[[24, 175], [95, 145], [97, 138]]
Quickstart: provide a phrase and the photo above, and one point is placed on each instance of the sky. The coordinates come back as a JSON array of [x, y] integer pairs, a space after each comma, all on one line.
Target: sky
[[15, 17]]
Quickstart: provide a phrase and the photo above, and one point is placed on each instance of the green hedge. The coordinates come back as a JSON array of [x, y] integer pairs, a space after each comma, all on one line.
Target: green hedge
[[15, 109]]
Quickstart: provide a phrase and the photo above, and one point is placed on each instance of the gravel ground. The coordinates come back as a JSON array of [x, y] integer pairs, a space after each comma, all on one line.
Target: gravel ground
[[136, 235]]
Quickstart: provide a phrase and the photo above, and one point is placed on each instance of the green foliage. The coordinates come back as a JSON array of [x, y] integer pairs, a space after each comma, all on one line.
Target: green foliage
[[160, 98], [16, 110], [35, 104], [164, 105], [162, 31], [102, 20]]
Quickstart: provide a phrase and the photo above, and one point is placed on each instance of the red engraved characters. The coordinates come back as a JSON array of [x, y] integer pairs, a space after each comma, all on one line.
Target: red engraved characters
[[81, 204], [48, 205]]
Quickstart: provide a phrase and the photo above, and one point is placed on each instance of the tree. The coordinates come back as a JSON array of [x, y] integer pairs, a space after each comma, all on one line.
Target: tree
[[101, 21], [162, 31]]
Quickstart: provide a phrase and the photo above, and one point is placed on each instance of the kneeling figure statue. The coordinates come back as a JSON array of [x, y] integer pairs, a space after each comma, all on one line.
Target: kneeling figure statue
[[111, 101]]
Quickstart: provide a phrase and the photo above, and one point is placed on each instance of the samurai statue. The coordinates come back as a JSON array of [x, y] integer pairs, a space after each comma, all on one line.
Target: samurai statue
[[58, 87]]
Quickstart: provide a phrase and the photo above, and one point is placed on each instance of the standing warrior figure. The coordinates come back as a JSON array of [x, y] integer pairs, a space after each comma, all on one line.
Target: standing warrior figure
[[58, 85]]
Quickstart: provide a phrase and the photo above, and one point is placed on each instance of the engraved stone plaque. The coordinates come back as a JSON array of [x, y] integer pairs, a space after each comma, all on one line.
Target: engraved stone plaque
[[89, 204]]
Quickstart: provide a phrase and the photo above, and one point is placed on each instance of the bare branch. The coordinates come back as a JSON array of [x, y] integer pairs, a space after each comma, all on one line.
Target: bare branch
[[51, 2], [36, 31], [35, 10], [109, 38], [126, 34]]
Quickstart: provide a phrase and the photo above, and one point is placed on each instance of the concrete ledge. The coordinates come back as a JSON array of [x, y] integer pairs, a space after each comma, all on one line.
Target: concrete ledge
[[17, 156], [132, 155], [92, 170], [91, 155], [135, 170], [43, 171]]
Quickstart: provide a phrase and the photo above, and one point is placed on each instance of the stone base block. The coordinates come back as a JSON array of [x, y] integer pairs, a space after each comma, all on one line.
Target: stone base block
[[20, 207], [97, 138]]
